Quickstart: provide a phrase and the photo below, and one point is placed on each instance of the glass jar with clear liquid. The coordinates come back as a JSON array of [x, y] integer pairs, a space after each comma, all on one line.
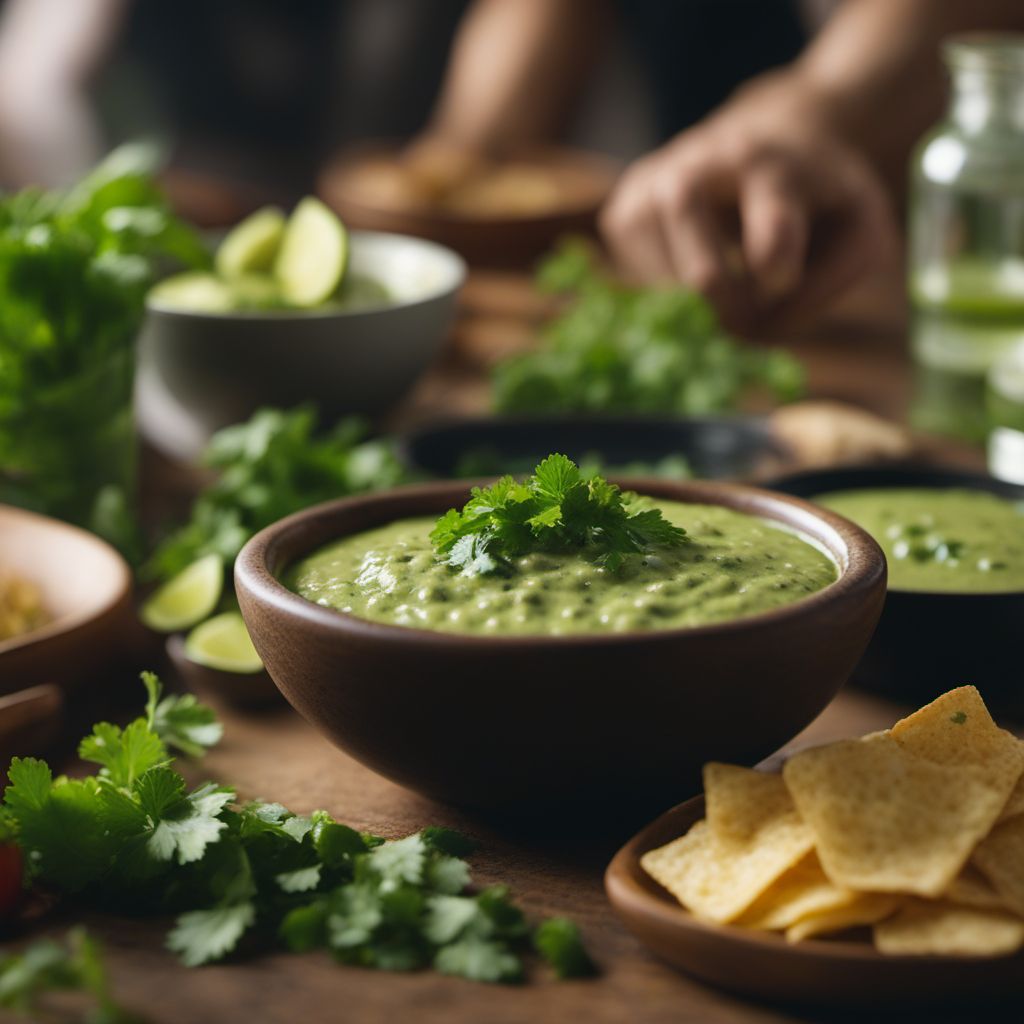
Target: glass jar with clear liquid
[[966, 271]]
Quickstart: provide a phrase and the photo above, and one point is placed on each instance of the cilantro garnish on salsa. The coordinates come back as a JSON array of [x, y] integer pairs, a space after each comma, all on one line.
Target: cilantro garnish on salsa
[[555, 509]]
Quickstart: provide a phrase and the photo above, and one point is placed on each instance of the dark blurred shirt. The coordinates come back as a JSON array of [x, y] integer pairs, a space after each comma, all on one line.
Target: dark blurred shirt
[[696, 52]]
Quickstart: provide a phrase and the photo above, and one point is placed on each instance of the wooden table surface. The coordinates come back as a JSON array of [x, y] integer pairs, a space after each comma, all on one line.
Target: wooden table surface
[[279, 757]]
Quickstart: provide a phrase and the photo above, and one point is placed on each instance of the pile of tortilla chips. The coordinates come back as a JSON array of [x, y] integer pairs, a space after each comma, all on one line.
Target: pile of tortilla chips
[[917, 832]]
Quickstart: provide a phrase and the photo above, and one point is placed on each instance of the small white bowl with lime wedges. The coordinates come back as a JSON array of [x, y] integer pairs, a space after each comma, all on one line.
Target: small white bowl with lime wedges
[[295, 309]]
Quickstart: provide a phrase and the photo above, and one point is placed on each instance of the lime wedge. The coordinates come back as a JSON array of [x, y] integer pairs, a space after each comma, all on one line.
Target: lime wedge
[[186, 599], [223, 643], [255, 291], [193, 292], [313, 256], [251, 246]]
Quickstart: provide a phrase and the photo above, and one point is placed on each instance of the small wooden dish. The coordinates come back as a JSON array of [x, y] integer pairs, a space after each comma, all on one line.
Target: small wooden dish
[[765, 966], [85, 587]]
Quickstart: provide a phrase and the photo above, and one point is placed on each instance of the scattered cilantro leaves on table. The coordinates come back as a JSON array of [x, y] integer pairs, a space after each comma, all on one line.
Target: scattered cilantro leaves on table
[[555, 509], [634, 350], [46, 966], [133, 835], [268, 467]]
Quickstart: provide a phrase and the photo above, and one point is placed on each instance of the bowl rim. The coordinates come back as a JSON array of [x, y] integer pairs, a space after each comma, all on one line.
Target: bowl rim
[[459, 267], [959, 479], [860, 561], [72, 621], [756, 428]]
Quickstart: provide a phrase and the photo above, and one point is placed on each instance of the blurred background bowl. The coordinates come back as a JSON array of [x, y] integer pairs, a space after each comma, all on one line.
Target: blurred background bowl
[[544, 194], [929, 642], [741, 447], [199, 372], [85, 589]]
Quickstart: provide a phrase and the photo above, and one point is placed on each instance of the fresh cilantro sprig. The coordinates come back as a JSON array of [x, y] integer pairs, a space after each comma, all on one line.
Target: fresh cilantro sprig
[[555, 509], [268, 467], [75, 267], [639, 350], [134, 835], [45, 967]]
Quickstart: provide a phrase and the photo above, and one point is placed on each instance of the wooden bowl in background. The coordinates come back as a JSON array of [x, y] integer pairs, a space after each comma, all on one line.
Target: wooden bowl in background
[[85, 587], [514, 239]]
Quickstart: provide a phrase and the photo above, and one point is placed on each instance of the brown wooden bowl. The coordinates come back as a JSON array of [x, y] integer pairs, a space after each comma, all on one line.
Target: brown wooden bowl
[[513, 240], [538, 720], [85, 585], [765, 966]]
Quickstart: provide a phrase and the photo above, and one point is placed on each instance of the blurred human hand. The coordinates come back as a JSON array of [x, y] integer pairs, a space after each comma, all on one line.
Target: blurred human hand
[[762, 208]]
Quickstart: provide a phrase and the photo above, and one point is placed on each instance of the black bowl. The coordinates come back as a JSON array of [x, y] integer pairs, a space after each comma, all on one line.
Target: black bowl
[[714, 447], [927, 643]]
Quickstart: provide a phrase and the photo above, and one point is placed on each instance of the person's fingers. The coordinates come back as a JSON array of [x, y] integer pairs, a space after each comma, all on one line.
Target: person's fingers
[[775, 226], [694, 200], [847, 241], [631, 229]]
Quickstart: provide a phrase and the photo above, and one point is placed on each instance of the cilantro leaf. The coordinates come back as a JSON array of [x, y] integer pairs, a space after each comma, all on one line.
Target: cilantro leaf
[[180, 721], [305, 927], [62, 825], [354, 915], [273, 464], [556, 509], [400, 860], [447, 874], [191, 824], [300, 880], [47, 966], [448, 916], [641, 350], [558, 941], [204, 935], [447, 840], [479, 960], [125, 754]]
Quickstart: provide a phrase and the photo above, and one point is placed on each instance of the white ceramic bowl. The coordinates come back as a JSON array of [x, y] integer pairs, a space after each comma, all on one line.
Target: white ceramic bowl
[[199, 372]]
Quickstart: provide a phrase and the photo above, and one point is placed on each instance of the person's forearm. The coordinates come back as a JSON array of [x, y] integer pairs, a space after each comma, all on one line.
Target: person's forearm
[[48, 51], [516, 69], [875, 73]]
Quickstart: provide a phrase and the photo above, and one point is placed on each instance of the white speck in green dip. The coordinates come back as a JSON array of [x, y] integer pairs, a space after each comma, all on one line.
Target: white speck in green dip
[[941, 539], [731, 565]]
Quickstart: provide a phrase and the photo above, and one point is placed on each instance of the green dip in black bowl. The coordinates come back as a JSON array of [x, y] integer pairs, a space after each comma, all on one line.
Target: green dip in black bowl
[[954, 612]]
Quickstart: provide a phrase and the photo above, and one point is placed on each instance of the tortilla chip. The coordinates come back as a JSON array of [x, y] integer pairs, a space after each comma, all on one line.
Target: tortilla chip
[[943, 929], [867, 908], [972, 889], [717, 880], [885, 820], [740, 802], [1015, 801], [1000, 858], [803, 891], [956, 729]]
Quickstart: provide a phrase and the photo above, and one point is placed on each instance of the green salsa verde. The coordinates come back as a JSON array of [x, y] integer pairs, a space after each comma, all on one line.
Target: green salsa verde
[[947, 540], [731, 565]]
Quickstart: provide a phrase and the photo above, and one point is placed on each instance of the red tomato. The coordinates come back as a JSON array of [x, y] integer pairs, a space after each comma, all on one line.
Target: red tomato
[[10, 879]]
